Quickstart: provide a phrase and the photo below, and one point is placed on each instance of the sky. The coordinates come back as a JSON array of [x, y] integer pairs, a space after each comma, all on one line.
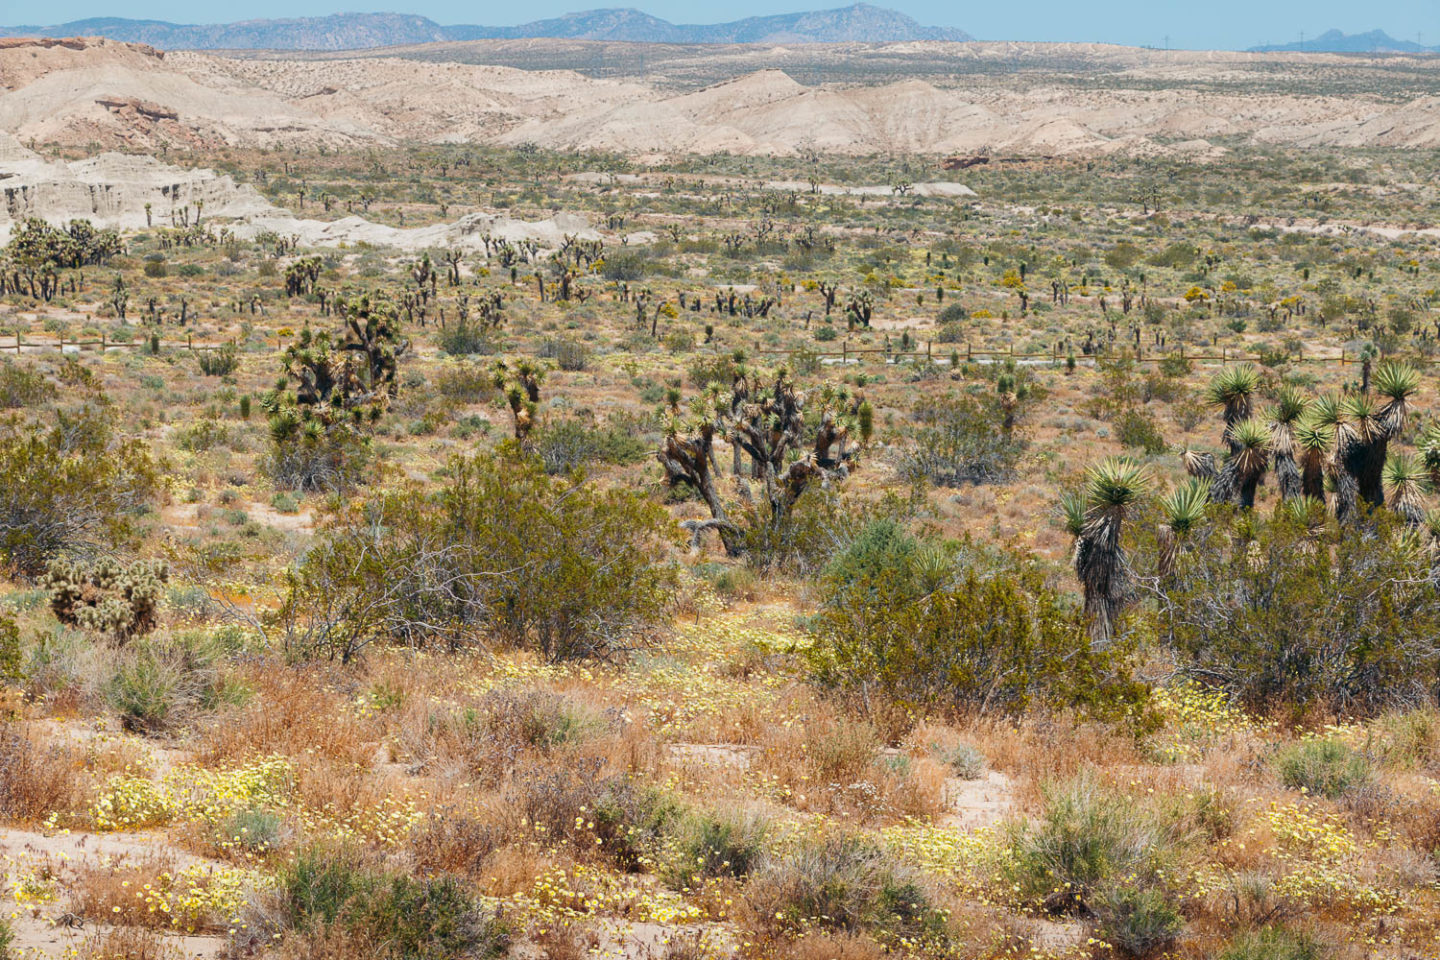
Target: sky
[[1212, 24]]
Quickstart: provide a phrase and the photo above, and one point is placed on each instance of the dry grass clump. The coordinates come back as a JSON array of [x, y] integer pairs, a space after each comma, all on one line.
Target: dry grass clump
[[39, 780], [127, 943], [487, 738], [122, 892], [839, 767], [295, 711]]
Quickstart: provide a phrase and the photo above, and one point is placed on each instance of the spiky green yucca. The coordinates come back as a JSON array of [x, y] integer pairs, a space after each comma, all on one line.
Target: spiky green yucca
[[1309, 511], [1288, 409], [1232, 389], [1395, 380], [1325, 411], [1290, 405], [1181, 511], [1250, 444], [1405, 479], [1115, 482], [1311, 434], [1111, 488], [1072, 508], [1199, 464], [1183, 508], [1430, 451], [1313, 440]]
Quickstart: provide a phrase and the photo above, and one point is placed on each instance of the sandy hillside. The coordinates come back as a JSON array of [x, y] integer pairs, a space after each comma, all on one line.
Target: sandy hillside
[[1093, 100]]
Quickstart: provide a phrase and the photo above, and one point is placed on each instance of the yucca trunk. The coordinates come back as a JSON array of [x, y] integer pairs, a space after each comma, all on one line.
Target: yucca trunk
[[1100, 568], [1282, 460], [1312, 474], [1169, 548]]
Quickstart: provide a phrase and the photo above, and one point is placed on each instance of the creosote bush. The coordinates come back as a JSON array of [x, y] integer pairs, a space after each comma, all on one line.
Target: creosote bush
[[554, 564], [75, 488], [922, 628]]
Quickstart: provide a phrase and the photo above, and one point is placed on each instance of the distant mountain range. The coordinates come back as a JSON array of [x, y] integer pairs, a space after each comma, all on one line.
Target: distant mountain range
[[1333, 41], [356, 31]]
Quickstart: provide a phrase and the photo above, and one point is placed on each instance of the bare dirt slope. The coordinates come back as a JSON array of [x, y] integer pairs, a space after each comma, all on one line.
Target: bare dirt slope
[[1081, 101]]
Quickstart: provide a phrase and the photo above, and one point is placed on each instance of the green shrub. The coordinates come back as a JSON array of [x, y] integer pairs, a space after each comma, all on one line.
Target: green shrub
[[465, 382], [10, 650], [1086, 844], [7, 938], [1137, 919], [220, 362], [841, 883], [1325, 768], [959, 439], [425, 919], [1275, 943], [1136, 428], [319, 885], [1276, 622], [567, 445], [159, 683], [75, 488], [966, 761], [997, 642], [553, 564], [701, 846], [22, 387]]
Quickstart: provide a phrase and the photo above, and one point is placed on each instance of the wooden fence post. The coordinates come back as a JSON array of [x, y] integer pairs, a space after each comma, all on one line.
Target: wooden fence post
[[845, 351], [102, 341], [189, 343]]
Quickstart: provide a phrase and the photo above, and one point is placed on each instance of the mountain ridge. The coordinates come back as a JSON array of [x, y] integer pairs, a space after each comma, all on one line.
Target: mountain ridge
[[860, 22], [1335, 41]]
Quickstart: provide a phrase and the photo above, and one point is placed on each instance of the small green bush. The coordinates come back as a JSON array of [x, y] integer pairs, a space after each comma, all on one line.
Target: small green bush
[[841, 883], [10, 650], [1088, 843], [1275, 943], [1136, 428], [1137, 919], [966, 761], [704, 845], [22, 387], [1325, 768], [220, 362]]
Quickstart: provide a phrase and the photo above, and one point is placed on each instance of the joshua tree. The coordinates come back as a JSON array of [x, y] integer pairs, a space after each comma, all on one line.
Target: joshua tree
[[1011, 392], [770, 426], [1288, 409], [521, 385], [1249, 454], [1313, 439], [1405, 478], [1182, 510], [1233, 390], [1366, 427], [374, 333], [1111, 488], [1199, 464]]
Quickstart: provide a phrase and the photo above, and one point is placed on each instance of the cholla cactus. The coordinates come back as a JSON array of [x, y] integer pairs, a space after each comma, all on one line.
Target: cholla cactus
[[106, 597]]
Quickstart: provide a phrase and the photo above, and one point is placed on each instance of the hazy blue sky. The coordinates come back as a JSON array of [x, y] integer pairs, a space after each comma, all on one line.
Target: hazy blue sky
[[1195, 23]]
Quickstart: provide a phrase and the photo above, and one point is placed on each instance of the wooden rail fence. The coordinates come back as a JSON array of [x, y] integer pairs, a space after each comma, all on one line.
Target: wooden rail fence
[[971, 354], [104, 344]]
